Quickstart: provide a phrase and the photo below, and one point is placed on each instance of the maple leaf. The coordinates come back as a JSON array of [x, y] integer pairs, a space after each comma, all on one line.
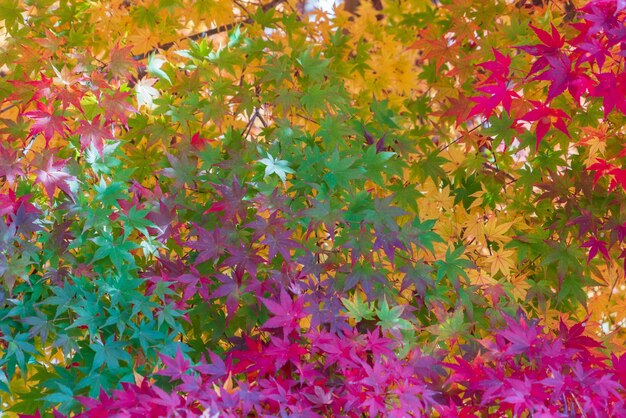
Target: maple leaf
[[93, 133], [551, 47], [459, 108], [497, 94], [233, 201], [573, 337], [52, 176], [121, 61], [521, 335], [275, 166], [209, 244], [46, 121], [146, 93], [10, 165], [217, 368], [546, 117], [357, 308], [230, 289], [501, 260], [559, 74], [117, 107], [176, 366], [595, 245], [452, 266], [285, 314], [612, 89], [280, 243], [499, 67], [243, 259], [601, 167]]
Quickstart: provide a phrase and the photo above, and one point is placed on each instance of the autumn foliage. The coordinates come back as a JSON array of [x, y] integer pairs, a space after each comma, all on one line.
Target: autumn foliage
[[240, 208]]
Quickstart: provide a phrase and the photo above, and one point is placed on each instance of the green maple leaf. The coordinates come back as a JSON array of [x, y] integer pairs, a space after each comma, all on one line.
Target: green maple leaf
[[110, 354], [117, 251], [313, 65], [389, 318], [453, 266], [358, 308], [154, 67], [274, 166]]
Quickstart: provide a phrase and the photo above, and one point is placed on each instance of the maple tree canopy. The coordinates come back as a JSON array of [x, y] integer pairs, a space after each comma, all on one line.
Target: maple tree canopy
[[247, 208]]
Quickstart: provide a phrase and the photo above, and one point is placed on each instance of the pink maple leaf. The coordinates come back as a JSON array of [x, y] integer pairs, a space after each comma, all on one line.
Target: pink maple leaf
[[10, 165], [285, 314], [175, 367], [93, 133], [54, 176]]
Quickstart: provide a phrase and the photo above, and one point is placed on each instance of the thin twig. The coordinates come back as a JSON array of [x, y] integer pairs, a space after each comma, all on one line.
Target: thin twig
[[8, 108], [460, 137]]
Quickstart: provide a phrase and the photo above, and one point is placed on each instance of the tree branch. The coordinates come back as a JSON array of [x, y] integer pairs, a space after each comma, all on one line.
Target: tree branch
[[206, 33]]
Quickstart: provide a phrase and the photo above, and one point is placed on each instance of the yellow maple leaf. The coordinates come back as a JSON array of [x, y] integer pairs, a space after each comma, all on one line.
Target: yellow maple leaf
[[501, 261], [495, 232]]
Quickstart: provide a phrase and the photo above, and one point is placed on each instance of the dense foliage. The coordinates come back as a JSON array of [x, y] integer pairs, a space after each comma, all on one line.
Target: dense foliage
[[246, 209]]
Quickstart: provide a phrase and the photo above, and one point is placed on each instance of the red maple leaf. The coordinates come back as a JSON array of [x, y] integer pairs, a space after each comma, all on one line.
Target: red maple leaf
[[53, 176], [46, 121], [601, 167], [117, 107], [459, 108], [121, 61], [546, 117], [35, 89]]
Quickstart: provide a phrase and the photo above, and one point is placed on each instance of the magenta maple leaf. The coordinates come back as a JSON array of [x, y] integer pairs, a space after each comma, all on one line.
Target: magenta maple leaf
[[232, 203], [280, 243], [612, 89], [285, 314], [93, 133], [209, 244], [546, 117], [596, 246], [497, 94], [573, 337], [46, 122], [283, 350], [499, 67], [229, 288], [551, 47], [216, 369], [53, 176], [175, 367], [521, 335], [559, 74]]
